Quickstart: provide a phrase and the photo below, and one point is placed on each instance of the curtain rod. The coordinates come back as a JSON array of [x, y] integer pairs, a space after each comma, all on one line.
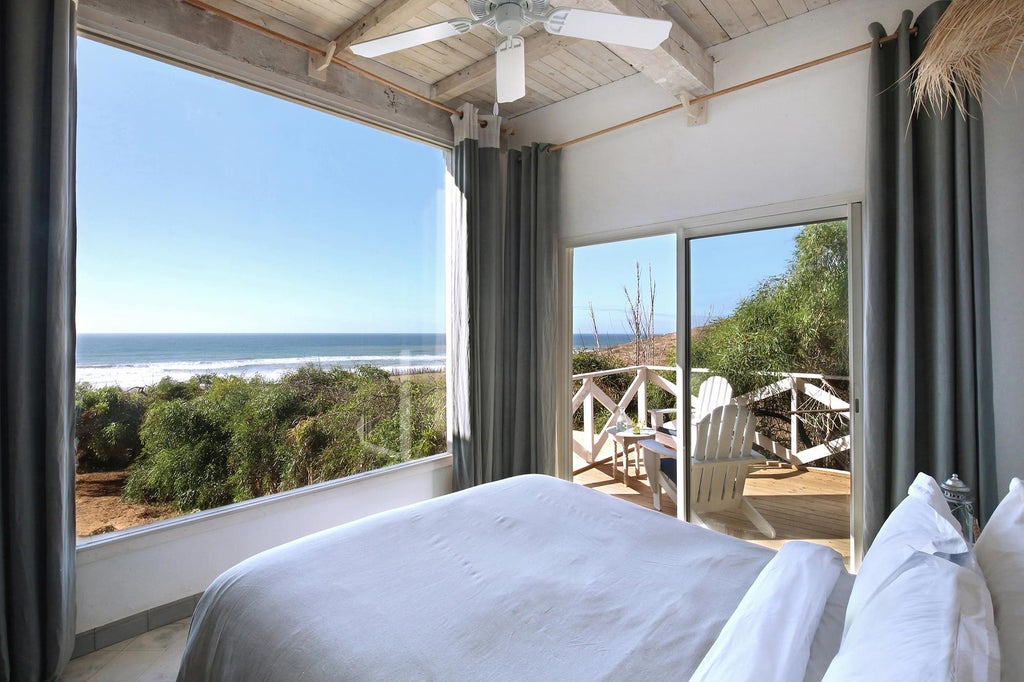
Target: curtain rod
[[333, 58], [726, 91]]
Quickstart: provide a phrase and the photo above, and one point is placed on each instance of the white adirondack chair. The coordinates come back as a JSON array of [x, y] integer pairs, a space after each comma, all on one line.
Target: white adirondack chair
[[713, 391], [722, 455]]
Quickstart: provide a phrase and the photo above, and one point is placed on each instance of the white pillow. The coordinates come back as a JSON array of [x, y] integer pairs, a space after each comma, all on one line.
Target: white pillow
[[914, 526], [830, 630], [932, 620], [1000, 552], [769, 635]]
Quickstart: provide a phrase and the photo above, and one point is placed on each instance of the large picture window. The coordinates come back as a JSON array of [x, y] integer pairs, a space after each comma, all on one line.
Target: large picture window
[[260, 299]]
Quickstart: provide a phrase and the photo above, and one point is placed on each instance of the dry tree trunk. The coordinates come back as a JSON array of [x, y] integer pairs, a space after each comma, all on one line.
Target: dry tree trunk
[[649, 344], [640, 317]]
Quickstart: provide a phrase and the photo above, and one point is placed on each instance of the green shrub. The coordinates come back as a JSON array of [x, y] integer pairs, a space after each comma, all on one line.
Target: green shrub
[[213, 440], [796, 322], [109, 420], [259, 448], [171, 389], [185, 457]]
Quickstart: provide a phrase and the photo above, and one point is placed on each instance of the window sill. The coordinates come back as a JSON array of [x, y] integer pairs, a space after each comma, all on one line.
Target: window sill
[[159, 531]]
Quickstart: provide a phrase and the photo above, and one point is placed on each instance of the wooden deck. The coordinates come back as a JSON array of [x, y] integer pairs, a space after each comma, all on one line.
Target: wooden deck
[[810, 505]]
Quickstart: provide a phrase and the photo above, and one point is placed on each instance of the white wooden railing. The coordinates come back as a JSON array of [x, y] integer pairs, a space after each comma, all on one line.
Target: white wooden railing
[[594, 439], [589, 392]]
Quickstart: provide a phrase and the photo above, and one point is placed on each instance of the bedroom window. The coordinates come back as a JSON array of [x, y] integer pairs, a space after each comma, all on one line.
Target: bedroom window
[[260, 297]]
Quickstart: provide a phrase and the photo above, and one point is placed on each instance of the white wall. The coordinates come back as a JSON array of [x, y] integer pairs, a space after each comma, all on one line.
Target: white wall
[[143, 568], [1004, 171], [798, 137], [793, 139]]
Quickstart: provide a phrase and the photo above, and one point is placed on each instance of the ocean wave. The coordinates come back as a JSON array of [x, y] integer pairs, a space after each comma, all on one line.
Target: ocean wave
[[144, 374], [256, 362]]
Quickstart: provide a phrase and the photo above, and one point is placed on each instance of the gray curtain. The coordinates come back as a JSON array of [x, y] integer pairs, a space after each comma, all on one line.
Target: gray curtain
[[501, 284], [37, 337], [927, 383], [530, 320]]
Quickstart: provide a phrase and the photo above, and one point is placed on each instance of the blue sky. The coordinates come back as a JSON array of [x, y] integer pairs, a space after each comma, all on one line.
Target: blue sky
[[207, 207], [723, 270]]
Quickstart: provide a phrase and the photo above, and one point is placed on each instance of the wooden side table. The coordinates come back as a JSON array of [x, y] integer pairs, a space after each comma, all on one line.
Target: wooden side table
[[628, 439]]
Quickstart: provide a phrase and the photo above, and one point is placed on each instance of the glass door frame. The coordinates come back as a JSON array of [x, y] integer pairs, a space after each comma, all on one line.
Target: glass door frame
[[851, 212], [840, 207]]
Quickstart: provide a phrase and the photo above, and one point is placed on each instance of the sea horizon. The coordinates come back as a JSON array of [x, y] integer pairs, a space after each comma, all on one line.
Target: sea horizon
[[141, 359], [144, 358]]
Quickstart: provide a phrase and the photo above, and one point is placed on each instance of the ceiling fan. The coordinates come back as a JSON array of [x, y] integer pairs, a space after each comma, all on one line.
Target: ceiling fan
[[509, 17]]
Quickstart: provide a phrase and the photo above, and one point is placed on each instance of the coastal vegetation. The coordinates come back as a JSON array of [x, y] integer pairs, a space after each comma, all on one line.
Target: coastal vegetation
[[795, 322], [213, 440], [615, 385]]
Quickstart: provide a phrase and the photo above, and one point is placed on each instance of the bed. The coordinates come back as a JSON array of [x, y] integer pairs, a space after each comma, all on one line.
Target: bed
[[533, 578], [528, 578]]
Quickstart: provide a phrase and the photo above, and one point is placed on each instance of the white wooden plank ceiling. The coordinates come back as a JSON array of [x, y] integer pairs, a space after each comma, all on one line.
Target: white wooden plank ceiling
[[461, 69]]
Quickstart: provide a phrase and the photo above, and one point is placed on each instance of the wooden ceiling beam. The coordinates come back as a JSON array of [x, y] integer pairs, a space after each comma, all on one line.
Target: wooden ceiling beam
[[704, 21], [538, 46], [243, 11], [236, 8], [213, 44], [679, 65], [384, 19]]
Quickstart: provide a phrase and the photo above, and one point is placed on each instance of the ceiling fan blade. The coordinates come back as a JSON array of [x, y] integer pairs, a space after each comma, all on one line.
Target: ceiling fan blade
[[510, 69], [605, 27], [411, 38]]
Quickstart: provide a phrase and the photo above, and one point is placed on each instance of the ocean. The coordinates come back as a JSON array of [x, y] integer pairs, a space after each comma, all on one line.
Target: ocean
[[129, 360]]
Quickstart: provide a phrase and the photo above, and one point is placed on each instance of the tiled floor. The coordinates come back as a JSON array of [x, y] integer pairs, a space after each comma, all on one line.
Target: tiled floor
[[150, 657]]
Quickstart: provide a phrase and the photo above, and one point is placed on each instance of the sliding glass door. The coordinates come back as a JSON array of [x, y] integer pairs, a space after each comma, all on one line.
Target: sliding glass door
[[768, 438], [711, 375]]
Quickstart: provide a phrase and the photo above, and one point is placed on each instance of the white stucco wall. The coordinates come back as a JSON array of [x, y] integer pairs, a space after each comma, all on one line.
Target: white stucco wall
[[127, 573], [1004, 171], [793, 139], [798, 137]]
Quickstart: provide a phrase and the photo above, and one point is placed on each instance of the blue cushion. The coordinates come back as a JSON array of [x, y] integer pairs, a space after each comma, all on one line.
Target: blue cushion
[[668, 467]]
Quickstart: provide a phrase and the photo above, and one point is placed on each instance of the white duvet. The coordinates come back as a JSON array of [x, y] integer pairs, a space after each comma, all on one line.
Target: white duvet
[[530, 578]]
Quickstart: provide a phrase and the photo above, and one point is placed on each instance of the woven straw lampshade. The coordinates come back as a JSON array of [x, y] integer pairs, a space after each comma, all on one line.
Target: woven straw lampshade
[[969, 35]]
